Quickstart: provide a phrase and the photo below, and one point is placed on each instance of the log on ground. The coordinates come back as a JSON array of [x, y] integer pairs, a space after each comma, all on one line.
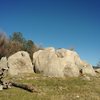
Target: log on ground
[[30, 88]]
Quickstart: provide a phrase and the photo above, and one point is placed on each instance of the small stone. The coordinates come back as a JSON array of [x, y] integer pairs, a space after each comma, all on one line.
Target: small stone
[[77, 96], [86, 78], [1, 87]]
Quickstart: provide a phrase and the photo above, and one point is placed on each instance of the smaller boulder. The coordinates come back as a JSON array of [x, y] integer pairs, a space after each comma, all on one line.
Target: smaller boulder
[[20, 63], [97, 70], [87, 69]]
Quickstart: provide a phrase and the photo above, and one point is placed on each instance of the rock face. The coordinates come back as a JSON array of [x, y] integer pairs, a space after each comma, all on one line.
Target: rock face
[[20, 63], [71, 70], [60, 63]]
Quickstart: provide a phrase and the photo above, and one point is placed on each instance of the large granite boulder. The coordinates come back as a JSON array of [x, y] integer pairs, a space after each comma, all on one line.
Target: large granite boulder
[[60, 63], [20, 63], [47, 62]]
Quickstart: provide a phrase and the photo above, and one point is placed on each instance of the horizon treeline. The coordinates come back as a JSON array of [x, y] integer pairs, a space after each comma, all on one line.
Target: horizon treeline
[[14, 43], [17, 42]]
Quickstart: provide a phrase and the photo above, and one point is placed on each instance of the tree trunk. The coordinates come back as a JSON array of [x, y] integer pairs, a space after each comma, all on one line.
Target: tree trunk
[[30, 88]]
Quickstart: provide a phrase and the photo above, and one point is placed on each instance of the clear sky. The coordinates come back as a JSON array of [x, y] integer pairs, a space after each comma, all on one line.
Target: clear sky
[[57, 23]]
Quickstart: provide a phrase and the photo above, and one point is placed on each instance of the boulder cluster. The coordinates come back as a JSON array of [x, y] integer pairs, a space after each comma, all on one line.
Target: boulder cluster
[[60, 63], [49, 61]]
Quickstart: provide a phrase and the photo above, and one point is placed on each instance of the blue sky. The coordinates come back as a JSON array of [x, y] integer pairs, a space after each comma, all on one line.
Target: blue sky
[[57, 23]]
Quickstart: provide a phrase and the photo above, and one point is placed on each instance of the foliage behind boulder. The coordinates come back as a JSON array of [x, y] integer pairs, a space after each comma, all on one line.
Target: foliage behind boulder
[[16, 42]]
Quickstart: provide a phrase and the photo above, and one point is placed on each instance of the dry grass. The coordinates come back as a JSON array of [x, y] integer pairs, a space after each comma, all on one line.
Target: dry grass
[[55, 89]]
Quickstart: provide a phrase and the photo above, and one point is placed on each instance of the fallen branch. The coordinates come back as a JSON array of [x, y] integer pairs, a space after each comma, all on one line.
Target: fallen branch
[[30, 88], [5, 84]]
